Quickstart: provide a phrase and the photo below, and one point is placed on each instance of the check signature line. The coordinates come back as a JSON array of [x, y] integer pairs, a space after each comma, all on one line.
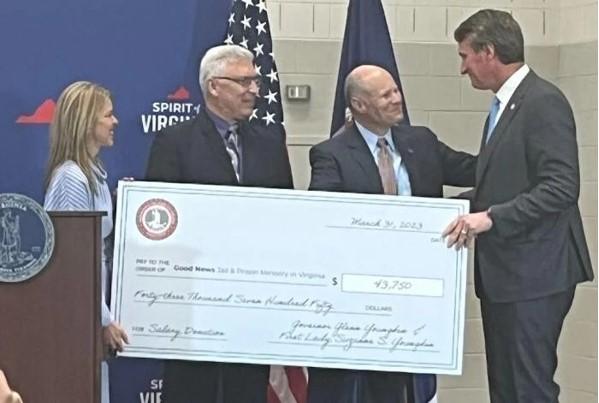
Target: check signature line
[[353, 346], [264, 308], [228, 280], [166, 336], [382, 229]]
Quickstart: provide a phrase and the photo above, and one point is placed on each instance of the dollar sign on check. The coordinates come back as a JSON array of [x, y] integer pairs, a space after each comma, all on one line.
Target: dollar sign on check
[[335, 281]]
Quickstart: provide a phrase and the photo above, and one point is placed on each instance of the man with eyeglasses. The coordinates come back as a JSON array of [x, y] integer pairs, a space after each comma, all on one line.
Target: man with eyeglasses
[[220, 147]]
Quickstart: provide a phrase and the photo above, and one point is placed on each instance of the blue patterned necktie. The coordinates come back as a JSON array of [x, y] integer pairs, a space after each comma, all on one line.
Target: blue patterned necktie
[[232, 149], [492, 118]]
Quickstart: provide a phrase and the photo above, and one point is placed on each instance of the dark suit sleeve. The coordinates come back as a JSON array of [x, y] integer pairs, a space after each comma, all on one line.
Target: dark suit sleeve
[[285, 172], [552, 160], [468, 195], [459, 168], [162, 163], [325, 171]]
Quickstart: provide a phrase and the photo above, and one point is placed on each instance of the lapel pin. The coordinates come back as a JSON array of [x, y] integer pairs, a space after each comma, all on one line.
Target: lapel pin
[[512, 106]]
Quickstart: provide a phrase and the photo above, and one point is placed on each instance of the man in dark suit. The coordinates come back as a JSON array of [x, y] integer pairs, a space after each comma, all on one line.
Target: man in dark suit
[[220, 147], [376, 155], [530, 246]]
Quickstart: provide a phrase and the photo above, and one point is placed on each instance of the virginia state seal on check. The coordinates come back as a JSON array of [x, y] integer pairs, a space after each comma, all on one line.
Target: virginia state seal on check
[[156, 219], [26, 238]]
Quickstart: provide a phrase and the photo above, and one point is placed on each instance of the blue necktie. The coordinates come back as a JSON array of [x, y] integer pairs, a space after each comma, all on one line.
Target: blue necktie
[[492, 118]]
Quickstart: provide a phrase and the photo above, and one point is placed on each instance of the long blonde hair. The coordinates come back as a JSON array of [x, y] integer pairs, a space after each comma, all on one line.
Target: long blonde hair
[[72, 128]]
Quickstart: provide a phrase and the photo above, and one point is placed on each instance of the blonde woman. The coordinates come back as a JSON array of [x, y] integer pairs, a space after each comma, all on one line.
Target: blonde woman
[[83, 124]]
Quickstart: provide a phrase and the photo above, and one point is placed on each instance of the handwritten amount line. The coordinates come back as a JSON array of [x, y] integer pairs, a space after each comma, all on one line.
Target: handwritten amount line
[[423, 350], [228, 280], [166, 336], [263, 308], [382, 229]]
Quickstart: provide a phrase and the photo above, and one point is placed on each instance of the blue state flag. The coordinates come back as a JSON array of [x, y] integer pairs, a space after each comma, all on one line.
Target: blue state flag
[[366, 41]]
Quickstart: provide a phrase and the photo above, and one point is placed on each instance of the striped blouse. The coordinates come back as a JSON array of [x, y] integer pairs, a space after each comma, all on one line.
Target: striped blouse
[[69, 190]]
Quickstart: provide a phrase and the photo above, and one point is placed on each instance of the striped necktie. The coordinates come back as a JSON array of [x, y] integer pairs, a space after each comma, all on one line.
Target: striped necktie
[[232, 149]]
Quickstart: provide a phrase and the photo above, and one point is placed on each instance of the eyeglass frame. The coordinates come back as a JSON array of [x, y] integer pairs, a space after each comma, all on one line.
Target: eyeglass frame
[[245, 82]]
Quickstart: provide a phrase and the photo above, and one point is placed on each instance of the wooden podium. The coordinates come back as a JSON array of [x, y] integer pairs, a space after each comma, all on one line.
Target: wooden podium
[[50, 329]]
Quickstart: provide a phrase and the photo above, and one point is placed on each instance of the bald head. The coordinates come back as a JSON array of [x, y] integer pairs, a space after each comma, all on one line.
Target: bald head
[[357, 80], [373, 97]]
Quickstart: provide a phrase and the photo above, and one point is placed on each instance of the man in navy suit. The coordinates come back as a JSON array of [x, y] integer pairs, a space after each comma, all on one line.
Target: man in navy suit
[[530, 246], [378, 155], [219, 147]]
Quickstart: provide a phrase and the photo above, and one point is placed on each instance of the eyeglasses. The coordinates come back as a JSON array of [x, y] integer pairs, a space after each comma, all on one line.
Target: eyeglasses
[[245, 82]]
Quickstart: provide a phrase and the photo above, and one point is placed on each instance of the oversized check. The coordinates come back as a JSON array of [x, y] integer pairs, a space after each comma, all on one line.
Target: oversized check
[[251, 275]]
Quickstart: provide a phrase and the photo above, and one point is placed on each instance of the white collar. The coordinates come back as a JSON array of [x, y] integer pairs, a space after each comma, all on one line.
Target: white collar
[[511, 84], [372, 138]]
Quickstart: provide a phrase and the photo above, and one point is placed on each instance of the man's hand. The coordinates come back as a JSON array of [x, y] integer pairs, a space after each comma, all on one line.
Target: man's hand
[[462, 231], [114, 336]]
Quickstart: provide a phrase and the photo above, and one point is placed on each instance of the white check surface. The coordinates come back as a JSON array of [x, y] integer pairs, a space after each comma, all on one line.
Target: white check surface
[[291, 277]]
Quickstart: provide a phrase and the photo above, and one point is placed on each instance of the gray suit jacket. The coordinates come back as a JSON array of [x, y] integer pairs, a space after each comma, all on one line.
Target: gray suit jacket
[[528, 174]]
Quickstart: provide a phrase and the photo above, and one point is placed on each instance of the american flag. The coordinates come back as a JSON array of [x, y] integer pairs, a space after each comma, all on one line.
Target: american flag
[[288, 385], [248, 27]]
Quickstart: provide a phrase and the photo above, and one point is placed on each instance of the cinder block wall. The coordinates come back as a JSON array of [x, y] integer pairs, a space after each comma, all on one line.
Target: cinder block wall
[[561, 38], [577, 77]]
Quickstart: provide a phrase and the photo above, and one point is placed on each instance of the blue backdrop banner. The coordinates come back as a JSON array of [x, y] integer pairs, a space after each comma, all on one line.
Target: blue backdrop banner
[[146, 52]]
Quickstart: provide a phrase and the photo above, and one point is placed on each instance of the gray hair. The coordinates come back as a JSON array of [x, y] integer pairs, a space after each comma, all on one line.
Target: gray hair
[[215, 60], [353, 85]]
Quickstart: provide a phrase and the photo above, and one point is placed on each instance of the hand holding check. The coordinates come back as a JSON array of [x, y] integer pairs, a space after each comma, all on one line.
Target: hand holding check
[[462, 231], [181, 294]]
